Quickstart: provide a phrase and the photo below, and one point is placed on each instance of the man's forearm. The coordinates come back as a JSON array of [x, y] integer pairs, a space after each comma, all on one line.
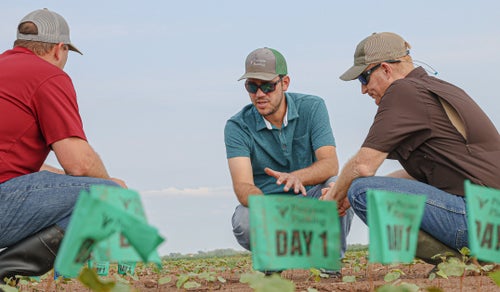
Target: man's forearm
[[347, 175], [52, 169], [243, 191], [318, 172]]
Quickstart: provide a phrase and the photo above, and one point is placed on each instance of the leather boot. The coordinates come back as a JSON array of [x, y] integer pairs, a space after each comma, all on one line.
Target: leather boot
[[32, 256], [428, 246]]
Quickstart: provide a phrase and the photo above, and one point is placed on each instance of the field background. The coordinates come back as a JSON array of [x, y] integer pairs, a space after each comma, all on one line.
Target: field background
[[229, 270]]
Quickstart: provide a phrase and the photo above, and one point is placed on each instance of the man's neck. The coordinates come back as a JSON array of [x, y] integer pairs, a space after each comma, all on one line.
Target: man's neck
[[282, 120]]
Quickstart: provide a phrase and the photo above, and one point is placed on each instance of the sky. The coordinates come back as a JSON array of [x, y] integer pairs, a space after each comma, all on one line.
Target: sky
[[158, 80]]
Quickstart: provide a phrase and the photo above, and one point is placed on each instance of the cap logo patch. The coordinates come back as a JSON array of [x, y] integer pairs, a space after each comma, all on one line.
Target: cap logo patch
[[258, 62]]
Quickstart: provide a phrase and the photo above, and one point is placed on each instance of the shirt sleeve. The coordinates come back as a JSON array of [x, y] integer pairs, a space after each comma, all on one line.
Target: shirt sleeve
[[236, 140], [321, 132], [401, 119], [57, 110]]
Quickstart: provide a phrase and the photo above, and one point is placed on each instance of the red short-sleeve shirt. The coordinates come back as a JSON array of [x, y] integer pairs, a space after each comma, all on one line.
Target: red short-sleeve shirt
[[37, 108]]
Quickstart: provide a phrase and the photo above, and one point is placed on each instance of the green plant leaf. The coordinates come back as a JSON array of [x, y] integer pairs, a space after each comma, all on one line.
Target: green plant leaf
[[392, 276], [314, 271], [349, 279], [181, 280], [453, 267], [409, 287], [164, 280], [251, 277], [442, 274], [260, 283], [391, 288], [495, 276], [221, 279], [8, 288], [488, 268], [312, 290], [90, 279], [191, 284], [465, 251], [207, 276]]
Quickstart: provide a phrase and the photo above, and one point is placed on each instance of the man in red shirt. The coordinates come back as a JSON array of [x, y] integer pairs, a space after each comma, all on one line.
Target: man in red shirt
[[38, 114]]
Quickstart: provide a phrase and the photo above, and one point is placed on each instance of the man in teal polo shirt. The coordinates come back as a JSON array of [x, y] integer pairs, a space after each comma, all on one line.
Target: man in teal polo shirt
[[280, 143]]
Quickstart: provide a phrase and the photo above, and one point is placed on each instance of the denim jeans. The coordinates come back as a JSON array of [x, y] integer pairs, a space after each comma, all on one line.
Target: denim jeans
[[32, 202], [444, 213], [241, 224]]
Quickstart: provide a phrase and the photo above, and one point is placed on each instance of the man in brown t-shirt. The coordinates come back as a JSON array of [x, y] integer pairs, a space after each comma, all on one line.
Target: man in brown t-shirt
[[434, 129]]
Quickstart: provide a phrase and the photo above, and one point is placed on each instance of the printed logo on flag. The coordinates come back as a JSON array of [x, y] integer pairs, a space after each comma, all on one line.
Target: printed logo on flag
[[288, 232], [483, 218], [393, 224], [109, 223]]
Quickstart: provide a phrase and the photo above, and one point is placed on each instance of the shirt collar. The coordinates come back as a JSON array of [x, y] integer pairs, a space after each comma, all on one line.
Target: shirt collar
[[269, 126], [291, 114]]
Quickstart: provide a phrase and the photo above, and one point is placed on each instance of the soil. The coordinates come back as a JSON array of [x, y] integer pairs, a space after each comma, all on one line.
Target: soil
[[367, 279]]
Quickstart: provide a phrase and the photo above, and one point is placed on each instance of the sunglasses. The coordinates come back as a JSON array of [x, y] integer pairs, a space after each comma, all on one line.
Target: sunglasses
[[364, 77], [267, 87]]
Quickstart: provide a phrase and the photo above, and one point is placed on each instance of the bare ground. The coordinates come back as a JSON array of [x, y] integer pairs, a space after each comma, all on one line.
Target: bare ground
[[367, 279]]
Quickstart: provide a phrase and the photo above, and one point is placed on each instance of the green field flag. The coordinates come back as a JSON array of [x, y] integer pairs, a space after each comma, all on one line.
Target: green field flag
[[108, 223], [393, 224], [102, 268], [483, 218], [288, 232], [125, 268]]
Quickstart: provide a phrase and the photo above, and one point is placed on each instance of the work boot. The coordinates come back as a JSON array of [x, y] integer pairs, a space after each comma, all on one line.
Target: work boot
[[32, 256], [428, 246]]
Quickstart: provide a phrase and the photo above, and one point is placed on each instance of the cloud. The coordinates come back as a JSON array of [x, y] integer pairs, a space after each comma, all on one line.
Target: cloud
[[224, 191]]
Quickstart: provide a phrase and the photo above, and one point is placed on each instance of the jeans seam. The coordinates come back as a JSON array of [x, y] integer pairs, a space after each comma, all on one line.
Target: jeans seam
[[443, 207]]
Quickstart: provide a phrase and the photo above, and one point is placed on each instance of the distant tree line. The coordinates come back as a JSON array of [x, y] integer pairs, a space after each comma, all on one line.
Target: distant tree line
[[227, 252]]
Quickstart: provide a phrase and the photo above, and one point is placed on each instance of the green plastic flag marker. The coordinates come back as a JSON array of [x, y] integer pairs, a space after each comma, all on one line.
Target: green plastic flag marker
[[393, 221], [483, 218], [288, 233], [109, 223], [125, 268], [102, 268]]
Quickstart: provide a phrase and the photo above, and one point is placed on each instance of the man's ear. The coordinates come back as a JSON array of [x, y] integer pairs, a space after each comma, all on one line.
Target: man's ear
[[57, 50], [286, 82]]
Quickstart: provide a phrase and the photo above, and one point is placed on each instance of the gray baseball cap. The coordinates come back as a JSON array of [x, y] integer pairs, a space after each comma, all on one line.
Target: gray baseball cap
[[52, 28], [376, 48], [264, 64]]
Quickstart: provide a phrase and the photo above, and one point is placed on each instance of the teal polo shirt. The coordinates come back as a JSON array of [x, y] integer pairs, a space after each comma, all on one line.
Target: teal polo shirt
[[287, 149]]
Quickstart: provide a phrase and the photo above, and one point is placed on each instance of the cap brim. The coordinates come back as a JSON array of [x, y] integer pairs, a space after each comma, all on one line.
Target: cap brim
[[259, 75], [353, 72], [74, 49]]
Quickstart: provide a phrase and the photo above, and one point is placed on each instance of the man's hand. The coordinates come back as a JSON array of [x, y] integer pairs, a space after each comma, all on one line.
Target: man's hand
[[291, 181], [324, 191], [343, 206], [327, 195]]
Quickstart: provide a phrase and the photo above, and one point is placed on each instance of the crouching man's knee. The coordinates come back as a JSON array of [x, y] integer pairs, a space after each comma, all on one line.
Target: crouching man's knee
[[241, 226]]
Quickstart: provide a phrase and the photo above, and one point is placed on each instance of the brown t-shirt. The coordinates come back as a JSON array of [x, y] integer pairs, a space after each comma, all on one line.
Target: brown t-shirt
[[411, 126]]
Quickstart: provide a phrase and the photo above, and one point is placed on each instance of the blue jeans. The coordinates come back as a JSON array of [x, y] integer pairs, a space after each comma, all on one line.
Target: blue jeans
[[444, 213], [241, 224], [32, 202]]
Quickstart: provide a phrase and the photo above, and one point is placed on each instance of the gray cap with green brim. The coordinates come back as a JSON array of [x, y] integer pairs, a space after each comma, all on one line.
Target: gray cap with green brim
[[264, 64]]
